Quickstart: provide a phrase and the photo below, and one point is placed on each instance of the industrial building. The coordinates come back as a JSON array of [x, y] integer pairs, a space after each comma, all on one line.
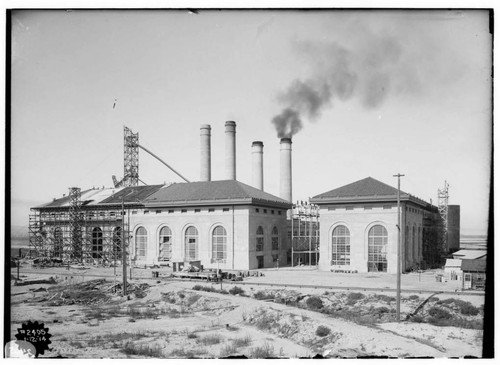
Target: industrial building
[[234, 226], [359, 232]]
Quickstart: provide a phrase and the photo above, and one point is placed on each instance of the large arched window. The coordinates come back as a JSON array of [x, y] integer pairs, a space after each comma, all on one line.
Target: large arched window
[[377, 249], [96, 243], [117, 243], [165, 244], [191, 244], [141, 243], [275, 239], [58, 242], [219, 243], [260, 239], [341, 246]]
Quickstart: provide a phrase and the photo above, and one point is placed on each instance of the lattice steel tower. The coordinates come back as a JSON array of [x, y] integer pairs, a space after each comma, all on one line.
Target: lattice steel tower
[[75, 223], [130, 158], [443, 211]]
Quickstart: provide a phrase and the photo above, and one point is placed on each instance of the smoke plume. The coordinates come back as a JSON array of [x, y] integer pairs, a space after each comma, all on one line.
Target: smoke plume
[[369, 70]]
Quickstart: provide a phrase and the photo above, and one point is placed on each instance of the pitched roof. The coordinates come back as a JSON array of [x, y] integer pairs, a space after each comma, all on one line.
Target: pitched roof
[[132, 194], [469, 254], [474, 265], [87, 197], [213, 192], [368, 189]]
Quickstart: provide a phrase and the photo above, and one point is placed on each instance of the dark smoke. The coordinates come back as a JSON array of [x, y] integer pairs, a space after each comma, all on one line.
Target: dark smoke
[[287, 123], [366, 71]]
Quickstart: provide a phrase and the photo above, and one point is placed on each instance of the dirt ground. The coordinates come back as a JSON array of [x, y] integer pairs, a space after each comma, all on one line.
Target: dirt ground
[[163, 318]]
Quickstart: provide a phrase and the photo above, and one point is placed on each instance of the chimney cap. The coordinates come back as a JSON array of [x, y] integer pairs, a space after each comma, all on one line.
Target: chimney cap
[[285, 140], [205, 126], [257, 143], [230, 122]]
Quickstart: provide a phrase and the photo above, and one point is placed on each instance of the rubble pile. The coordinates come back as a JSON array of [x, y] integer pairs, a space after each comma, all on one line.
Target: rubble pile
[[90, 292]]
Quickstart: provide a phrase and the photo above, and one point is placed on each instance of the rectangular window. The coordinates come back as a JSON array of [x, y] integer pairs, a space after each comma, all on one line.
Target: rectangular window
[[170, 211], [349, 208], [387, 206], [225, 209], [279, 212], [134, 212], [272, 211], [146, 212], [257, 210], [265, 211], [211, 210], [196, 210], [158, 212], [260, 244], [183, 210], [275, 258]]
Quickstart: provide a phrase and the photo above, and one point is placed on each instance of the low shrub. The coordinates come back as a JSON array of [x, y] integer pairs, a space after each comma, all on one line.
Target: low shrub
[[193, 299], [263, 352], [243, 341], [261, 295], [382, 297], [322, 331], [414, 297], [437, 313], [228, 350], [192, 335], [353, 298], [314, 303], [236, 290], [434, 299], [213, 339], [466, 308], [417, 319], [381, 310], [142, 350], [204, 288], [181, 295]]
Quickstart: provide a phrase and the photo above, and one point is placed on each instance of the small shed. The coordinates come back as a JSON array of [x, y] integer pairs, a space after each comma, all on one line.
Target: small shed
[[453, 269], [474, 274]]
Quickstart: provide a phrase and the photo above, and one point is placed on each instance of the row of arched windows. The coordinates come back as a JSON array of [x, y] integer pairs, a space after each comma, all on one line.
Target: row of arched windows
[[377, 247], [191, 240], [97, 246]]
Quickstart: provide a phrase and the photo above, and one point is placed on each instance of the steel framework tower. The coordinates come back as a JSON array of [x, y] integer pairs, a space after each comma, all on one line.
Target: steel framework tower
[[130, 158], [443, 211], [75, 224]]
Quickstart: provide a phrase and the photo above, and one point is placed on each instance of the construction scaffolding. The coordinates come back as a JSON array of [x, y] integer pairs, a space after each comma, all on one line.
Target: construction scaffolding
[[78, 233], [443, 212], [305, 234], [130, 158]]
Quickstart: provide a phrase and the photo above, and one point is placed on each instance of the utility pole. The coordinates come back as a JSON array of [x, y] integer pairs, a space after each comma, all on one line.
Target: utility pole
[[398, 285]]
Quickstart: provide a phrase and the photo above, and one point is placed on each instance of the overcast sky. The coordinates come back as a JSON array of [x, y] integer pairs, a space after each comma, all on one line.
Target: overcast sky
[[370, 93]]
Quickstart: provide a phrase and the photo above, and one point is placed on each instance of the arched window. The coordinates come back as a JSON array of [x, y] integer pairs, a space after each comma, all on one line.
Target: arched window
[[219, 243], [341, 246], [96, 243], [165, 244], [377, 249], [260, 239], [275, 242], [117, 243], [58, 242], [191, 244], [141, 243]]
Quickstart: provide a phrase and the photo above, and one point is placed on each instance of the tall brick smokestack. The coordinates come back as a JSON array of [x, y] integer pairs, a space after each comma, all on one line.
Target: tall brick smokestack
[[205, 153], [230, 150], [258, 165], [286, 169]]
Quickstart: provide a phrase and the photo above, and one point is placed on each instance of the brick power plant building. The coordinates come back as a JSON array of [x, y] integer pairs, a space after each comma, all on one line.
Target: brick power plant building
[[239, 227]]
